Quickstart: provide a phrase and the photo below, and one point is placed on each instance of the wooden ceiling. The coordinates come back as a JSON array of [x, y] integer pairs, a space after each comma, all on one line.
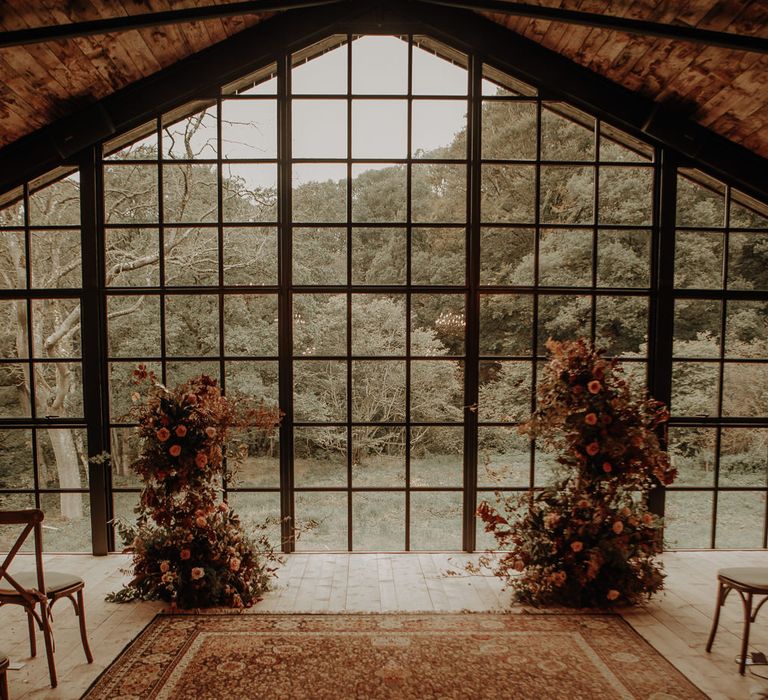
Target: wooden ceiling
[[721, 89]]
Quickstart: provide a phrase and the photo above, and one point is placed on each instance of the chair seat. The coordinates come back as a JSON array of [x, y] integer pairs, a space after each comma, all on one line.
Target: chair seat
[[3, 661], [55, 582], [746, 576]]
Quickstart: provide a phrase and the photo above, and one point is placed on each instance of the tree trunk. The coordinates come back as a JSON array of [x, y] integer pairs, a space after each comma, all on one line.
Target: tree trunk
[[67, 464]]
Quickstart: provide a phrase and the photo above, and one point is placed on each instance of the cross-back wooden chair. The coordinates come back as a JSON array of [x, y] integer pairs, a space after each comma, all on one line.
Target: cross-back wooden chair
[[31, 589]]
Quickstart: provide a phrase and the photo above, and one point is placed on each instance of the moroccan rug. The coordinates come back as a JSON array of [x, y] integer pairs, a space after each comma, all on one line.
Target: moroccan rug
[[399, 656]]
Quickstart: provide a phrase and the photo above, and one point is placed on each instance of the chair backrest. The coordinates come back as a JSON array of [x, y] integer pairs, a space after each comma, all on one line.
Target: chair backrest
[[31, 519]]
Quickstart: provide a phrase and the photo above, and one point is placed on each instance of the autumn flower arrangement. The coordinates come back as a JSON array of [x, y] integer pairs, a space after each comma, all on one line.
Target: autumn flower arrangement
[[188, 546], [588, 539]]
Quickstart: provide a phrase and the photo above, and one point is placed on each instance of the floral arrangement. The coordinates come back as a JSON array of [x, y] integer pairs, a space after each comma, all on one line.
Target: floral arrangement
[[589, 539], [189, 548]]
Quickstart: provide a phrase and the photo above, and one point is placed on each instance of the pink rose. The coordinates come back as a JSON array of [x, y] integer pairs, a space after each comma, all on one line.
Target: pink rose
[[612, 594], [223, 507], [607, 467], [594, 386], [174, 450], [201, 459], [593, 448], [234, 564], [200, 521], [185, 554], [163, 434], [164, 566], [577, 546], [210, 432], [181, 431], [519, 566], [647, 518], [590, 419], [618, 527], [197, 573]]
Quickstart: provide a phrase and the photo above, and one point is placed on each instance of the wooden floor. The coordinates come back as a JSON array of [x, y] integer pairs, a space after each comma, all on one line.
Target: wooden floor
[[677, 623]]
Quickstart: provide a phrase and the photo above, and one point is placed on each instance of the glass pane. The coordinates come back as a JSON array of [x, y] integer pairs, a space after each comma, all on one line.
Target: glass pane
[[320, 456], [378, 391], [438, 326], [379, 65], [697, 328], [378, 324], [319, 324], [505, 324], [565, 257], [192, 325], [12, 213], [319, 128], [438, 193], [128, 147], [622, 325], [617, 146], [56, 328], [192, 137], [324, 73], [254, 510], [250, 256], [319, 256], [259, 462], [68, 522], [319, 192], [566, 133], [567, 194], [437, 456], [435, 75], [505, 391], [437, 391], [506, 256], [125, 448], [14, 391], [744, 389], [500, 84], [623, 258], [9, 533], [378, 256], [694, 388], [747, 212], [249, 192], [124, 505], [57, 204], [378, 456], [700, 203], [62, 461], [16, 466], [547, 469], [249, 129], [133, 257], [438, 256], [439, 129], [748, 261], [133, 326], [746, 329], [250, 324], [13, 260], [191, 257], [626, 196], [504, 458], [563, 318], [699, 259], [743, 457], [256, 380], [13, 329], [378, 521], [688, 520], [508, 194], [436, 519], [740, 519], [190, 193], [379, 192], [320, 391], [692, 453], [130, 194], [122, 387], [509, 130], [178, 372], [329, 512], [55, 259], [379, 129]]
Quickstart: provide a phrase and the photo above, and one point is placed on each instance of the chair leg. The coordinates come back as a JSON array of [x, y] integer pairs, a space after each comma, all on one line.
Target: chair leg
[[49, 648], [32, 633], [4, 686], [747, 604], [721, 590], [83, 633]]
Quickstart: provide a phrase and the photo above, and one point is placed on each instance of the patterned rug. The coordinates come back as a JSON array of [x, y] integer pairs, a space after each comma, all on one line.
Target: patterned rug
[[399, 656]]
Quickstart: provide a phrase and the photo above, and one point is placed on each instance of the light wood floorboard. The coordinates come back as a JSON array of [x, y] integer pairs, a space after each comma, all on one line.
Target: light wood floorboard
[[676, 622]]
